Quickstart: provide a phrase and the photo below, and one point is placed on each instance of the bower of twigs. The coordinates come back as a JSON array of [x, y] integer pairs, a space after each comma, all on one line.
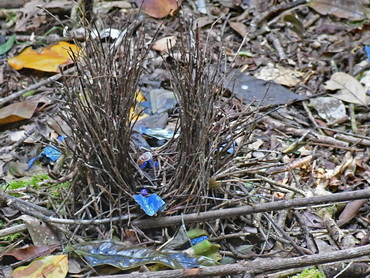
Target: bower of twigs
[[99, 98]]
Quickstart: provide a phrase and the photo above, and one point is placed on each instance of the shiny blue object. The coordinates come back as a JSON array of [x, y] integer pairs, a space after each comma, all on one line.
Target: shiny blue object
[[367, 50], [144, 192], [51, 153], [150, 204], [230, 150], [198, 239], [149, 164]]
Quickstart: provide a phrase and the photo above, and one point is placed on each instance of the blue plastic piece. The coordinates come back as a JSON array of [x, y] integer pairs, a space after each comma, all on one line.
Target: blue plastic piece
[[367, 50], [51, 153], [150, 204], [198, 239], [157, 133], [230, 150], [149, 164], [144, 192]]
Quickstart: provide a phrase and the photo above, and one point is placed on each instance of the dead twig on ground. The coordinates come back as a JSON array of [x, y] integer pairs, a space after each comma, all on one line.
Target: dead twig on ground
[[233, 212], [35, 86]]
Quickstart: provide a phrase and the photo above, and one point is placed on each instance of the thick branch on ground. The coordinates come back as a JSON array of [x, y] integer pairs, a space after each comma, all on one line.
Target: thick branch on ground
[[24, 206], [232, 212], [259, 267], [41, 213]]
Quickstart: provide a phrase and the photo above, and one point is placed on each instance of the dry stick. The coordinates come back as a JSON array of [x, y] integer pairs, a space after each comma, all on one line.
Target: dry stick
[[313, 136], [259, 267], [189, 218], [278, 184], [35, 86], [12, 230], [276, 43], [311, 117], [290, 166], [23, 206], [285, 235], [353, 140], [232, 212]]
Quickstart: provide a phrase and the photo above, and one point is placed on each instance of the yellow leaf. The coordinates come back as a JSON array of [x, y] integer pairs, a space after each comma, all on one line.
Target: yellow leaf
[[135, 115], [48, 59], [140, 97], [50, 267]]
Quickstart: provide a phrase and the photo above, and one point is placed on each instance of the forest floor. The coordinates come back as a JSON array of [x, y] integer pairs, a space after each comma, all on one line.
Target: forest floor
[[258, 170]]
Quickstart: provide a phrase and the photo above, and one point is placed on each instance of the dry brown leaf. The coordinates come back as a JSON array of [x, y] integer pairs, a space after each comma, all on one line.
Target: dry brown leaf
[[50, 266], [40, 232], [351, 9], [31, 251], [17, 111], [239, 27], [281, 75], [350, 211], [48, 59], [159, 8]]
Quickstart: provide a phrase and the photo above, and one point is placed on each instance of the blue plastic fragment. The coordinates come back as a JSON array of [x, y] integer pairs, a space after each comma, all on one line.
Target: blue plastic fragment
[[150, 204], [230, 150], [144, 192], [367, 50], [51, 153], [149, 164], [198, 239], [158, 133]]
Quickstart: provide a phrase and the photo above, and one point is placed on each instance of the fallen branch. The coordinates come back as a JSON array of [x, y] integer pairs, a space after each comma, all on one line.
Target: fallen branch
[[254, 268], [24, 206], [12, 230], [35, 211], [233, 212]]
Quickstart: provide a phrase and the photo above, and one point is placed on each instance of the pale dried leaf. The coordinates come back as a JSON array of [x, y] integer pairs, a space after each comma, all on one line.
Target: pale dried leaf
[[279, 74], [40, 232], [350, 89], [164, 44], [351, 9]]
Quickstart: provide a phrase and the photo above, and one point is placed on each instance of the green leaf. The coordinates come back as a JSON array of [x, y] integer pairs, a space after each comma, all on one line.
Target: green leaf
[[194, 233], [310, 273], [207, 249], [5, 47]]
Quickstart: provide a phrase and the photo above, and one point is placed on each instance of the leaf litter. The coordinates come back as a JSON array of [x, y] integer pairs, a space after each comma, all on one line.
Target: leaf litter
[[290, 120]]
